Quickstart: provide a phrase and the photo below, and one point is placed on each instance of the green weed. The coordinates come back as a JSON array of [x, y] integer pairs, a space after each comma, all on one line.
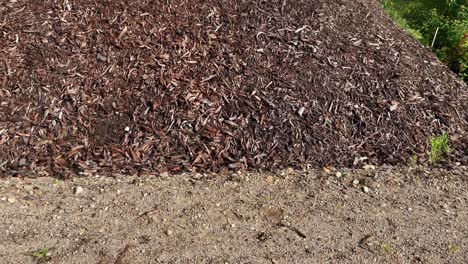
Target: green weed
[[414, 160], [452, 248], [387, 248], [42, 255], [439, 147]]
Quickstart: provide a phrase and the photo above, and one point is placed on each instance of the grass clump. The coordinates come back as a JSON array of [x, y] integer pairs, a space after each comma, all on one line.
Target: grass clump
[[387, 248], [452, 248], [41, 255], [439, 148]]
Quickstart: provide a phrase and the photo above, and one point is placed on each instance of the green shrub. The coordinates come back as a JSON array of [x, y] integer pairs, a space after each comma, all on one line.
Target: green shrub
[[422, 18]]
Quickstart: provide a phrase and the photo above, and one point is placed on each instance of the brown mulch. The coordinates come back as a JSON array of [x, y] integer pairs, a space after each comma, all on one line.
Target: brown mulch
[[137, 86]]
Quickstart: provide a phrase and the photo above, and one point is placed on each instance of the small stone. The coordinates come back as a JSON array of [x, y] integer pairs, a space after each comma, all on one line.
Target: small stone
[[11, 200], [369, 167], [101, 58], [300, 112], [164, 174], [338, 174], [127, 129], [356, 182], [169, 232], [365, 189], [22, 162], [3, 199], [78, 190], [269, 179]]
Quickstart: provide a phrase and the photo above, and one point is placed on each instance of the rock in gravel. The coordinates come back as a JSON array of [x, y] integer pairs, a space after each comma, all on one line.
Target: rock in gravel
[[12, 200], [22, 162], [365, 189], [78, 190], [356, 182], [369, 167]]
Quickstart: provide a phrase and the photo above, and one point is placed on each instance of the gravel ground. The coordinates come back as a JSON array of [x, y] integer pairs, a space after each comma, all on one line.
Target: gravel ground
[[381, 215]]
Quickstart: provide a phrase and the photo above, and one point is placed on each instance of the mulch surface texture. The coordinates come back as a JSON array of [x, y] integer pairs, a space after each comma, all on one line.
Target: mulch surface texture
[[147, 86]]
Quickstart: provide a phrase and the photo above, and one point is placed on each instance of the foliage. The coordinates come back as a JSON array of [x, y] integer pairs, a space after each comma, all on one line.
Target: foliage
[[42, 255], [387, 248], [452, 247], [422, 18], [439, 147]]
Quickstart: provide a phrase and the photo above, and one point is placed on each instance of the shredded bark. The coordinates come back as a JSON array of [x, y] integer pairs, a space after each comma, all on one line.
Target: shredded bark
[[144, 86]]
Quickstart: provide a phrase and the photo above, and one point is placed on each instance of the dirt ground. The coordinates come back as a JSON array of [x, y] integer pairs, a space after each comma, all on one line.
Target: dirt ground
[[382, 215]]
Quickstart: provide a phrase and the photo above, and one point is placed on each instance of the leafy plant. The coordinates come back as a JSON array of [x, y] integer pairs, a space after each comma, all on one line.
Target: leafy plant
[[452, 247], [387, 248], [414, 160], [41, 255], [440, 146]]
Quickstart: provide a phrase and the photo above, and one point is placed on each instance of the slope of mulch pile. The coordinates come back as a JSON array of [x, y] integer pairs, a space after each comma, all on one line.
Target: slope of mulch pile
[[135, 86]]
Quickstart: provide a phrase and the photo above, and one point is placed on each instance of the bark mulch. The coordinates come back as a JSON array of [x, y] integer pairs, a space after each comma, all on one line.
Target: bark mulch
[[153, 85]]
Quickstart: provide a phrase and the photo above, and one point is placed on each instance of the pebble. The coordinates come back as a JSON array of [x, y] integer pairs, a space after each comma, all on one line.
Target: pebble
[[164, 174], [169, 232], [269, 179], [356, 182], [301, 110], [78, 190], [11, 200], [365, 189], [22, 162], [369, 167], [338, 174]]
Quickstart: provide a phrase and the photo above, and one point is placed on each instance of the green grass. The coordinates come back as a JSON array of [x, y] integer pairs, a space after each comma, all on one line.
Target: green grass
[[41, 255], [452, 248], [414, 160], [387, 248], [422, 18], [396, 10], [440, 147]]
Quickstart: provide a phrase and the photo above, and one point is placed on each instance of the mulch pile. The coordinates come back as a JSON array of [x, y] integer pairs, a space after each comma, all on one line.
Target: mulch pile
[[154, 85]]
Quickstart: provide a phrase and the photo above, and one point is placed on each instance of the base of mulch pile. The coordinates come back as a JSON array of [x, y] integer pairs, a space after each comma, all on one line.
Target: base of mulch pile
[[135, 86]]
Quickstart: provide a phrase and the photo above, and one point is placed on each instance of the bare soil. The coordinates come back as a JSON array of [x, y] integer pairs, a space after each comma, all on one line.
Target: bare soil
[[408, 215]]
